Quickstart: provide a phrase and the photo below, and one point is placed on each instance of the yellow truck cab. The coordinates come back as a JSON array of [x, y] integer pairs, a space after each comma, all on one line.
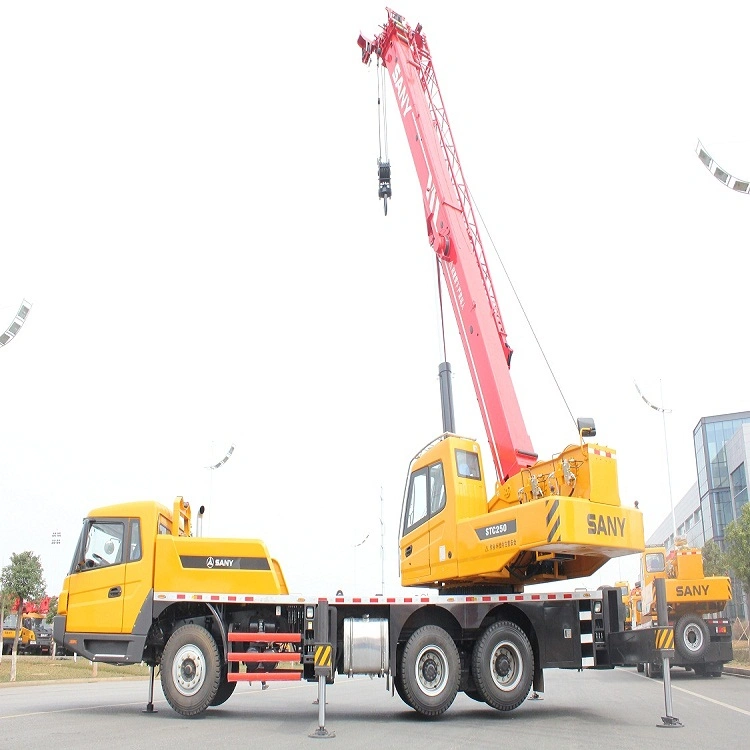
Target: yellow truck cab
[[26, 638], [126, 552]]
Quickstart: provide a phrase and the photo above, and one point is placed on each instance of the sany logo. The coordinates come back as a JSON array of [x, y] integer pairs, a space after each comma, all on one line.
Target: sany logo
[[697, 590], [220, 562], [210, 562], [400, 87]]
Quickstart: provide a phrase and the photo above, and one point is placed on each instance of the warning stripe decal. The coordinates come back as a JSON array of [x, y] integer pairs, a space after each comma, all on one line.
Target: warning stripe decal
[[323, 655], [601, 452], [553, 520], [664, 638]]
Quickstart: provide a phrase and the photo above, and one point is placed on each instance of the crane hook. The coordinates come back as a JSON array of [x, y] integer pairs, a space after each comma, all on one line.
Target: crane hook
[[384, 183]]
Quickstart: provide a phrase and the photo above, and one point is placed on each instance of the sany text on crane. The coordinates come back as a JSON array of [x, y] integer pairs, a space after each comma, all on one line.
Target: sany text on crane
[[401, 94]]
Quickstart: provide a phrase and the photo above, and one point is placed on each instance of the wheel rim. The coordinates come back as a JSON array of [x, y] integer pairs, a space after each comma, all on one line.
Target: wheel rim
[[506, 666], [189, 670], [693, 638], [431, 670]]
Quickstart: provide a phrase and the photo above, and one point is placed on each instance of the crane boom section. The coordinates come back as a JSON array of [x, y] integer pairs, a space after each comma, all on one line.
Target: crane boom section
[[547, 520], [453, 234]]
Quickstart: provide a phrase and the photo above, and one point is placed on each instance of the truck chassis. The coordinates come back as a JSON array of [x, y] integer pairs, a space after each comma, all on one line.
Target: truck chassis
[[493, 647]]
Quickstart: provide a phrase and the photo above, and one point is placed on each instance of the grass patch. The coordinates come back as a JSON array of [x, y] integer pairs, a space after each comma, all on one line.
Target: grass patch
[[741, 654], [33, 668]]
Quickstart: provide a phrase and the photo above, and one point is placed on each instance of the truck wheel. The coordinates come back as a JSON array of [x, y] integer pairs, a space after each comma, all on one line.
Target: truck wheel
[[640, 667], [398, 683], [190, 670], [431, 671], [224, 693], [503, 666], [691, 637], [475, 695]]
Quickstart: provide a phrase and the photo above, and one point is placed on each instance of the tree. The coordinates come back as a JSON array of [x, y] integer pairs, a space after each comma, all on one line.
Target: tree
[[53, 600], [737, 540], [24, 579], [6, 602], [714, 560]]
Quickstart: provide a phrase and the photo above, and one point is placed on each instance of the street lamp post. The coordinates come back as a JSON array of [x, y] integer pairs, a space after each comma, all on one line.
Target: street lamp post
[[355, 560], [664, 412], [212, 469], [382, 547], [15, 325]]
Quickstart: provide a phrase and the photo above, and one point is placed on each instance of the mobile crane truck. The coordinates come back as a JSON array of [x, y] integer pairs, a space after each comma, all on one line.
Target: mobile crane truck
[[213, 612], [26, 635], [702, 642]]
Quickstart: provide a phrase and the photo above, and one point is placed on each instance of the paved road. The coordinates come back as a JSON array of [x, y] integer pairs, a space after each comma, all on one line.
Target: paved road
[[615, 709]]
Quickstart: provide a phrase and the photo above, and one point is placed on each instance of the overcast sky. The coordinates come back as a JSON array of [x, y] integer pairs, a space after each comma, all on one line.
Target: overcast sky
[[188, 197]]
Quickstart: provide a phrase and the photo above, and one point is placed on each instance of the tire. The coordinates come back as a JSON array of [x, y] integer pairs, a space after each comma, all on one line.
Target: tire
[[431, 671], [640, 667], [653, 671], [224, 693], [475, 695], [190, 670], [711, 669], [398, 683], [503, 666], [691, 638]]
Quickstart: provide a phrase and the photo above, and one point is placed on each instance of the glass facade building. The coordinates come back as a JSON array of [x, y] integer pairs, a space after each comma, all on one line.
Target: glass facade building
[[710, 438], [722, 453]]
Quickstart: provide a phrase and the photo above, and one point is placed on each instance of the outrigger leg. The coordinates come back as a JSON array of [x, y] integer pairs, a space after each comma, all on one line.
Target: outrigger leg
[[150, 705], [321, 731]]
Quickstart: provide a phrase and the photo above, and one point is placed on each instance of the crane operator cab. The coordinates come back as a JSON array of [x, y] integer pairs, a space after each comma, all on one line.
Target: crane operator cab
[[556, 520]]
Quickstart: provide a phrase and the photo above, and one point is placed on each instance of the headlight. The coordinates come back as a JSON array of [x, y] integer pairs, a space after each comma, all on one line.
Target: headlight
[[597, 608]]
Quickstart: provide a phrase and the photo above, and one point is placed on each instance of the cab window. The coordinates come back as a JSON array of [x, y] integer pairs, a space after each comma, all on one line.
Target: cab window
[[467, 464], [104, 543], [426, 495], [135, 540], [437, 488], [416, 504], [655, 562], [9, 622]]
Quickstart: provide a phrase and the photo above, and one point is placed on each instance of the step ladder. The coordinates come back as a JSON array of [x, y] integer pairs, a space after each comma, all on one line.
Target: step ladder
[[235, 658]]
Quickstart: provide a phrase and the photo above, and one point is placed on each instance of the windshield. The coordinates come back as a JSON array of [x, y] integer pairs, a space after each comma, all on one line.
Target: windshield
[[654, 562], [100, 544]]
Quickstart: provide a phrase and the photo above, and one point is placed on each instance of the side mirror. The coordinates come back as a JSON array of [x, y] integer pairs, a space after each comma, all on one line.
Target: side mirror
[[586, 427]]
